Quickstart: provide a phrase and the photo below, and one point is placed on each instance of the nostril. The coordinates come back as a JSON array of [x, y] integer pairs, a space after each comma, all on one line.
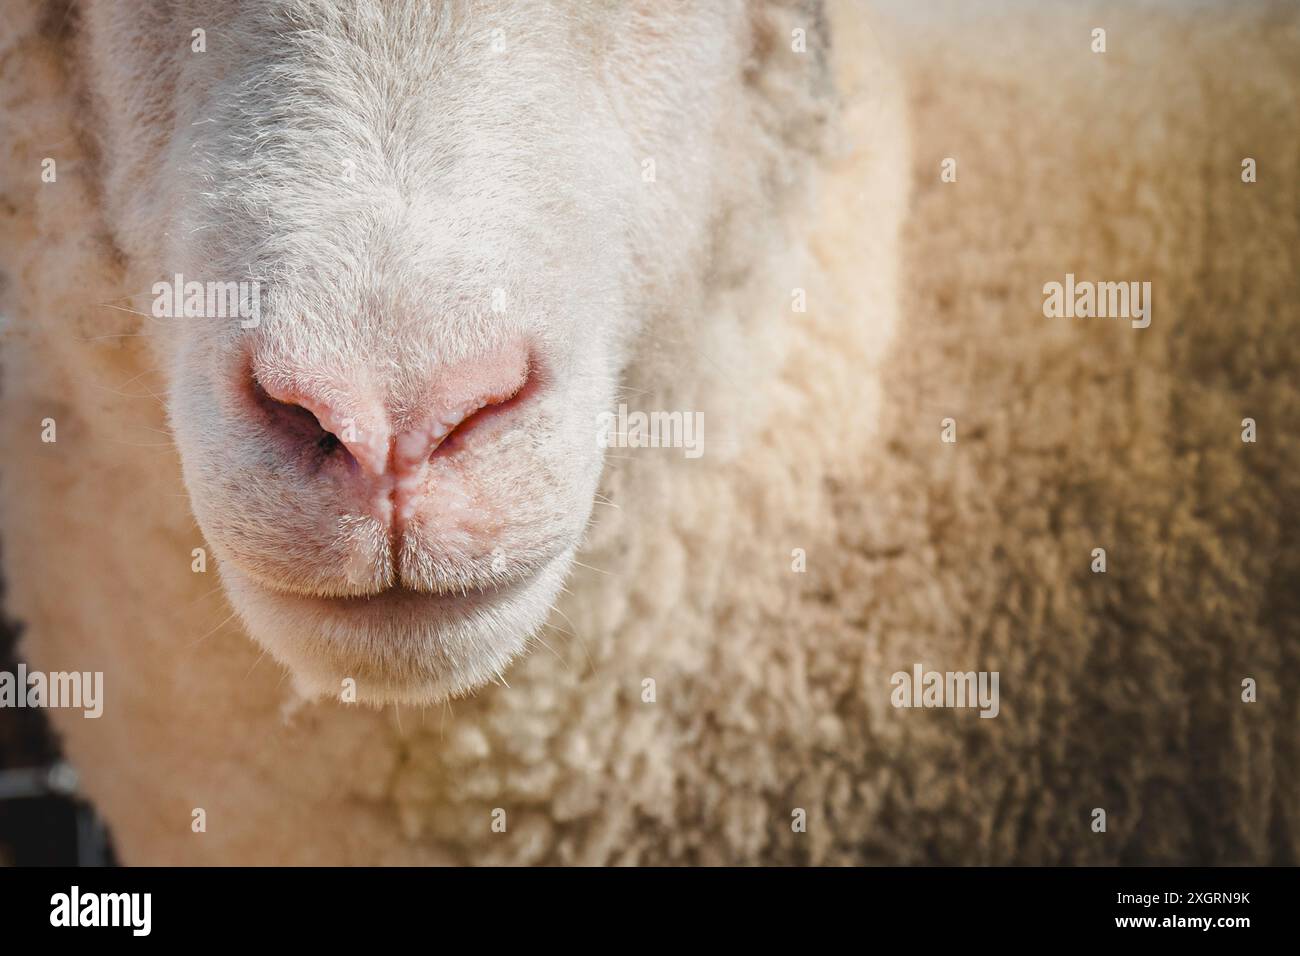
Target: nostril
[[460, 400], [490, 409], [316, 419], [328, 444], [297, 425]]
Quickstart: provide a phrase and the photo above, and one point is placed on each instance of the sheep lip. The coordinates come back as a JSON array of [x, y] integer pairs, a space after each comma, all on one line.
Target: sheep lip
[[402, 599]]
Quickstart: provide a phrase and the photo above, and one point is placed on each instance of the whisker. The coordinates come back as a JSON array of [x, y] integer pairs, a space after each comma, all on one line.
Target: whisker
[[255, 663], [214, 630], [554, 652], [106, 305], [591, 664], [115, 335]]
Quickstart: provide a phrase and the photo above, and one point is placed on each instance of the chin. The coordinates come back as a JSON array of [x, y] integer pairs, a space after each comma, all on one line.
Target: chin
[[399, 645]]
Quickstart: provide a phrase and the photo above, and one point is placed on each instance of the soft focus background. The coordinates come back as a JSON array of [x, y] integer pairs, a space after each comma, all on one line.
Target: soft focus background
[[42, 822]]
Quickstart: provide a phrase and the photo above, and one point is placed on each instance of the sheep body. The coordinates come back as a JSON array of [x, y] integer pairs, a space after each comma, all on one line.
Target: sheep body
[[771, 687]]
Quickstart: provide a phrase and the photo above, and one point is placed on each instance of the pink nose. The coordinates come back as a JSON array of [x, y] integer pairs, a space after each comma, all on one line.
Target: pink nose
[[326, 417]]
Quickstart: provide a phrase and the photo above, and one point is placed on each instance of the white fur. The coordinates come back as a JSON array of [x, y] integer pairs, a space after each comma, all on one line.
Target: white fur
[[381, 168]]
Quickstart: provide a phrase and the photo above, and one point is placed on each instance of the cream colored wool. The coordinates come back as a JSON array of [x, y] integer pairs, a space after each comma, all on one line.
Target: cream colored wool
[[1119, 691]]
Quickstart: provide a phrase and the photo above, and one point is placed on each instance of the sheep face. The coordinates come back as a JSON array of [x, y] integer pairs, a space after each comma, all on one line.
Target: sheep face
[[450, 231]]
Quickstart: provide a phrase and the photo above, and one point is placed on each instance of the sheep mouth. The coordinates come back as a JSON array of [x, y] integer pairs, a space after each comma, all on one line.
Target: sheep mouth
[[400, 597], [399, 643], [401, 601]]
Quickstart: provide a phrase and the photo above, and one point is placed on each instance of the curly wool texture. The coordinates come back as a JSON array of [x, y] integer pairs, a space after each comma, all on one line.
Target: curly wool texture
[[1119, 691]]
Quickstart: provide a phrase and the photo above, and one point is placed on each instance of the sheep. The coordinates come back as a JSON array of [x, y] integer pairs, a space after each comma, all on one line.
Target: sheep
[[916, 469]]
